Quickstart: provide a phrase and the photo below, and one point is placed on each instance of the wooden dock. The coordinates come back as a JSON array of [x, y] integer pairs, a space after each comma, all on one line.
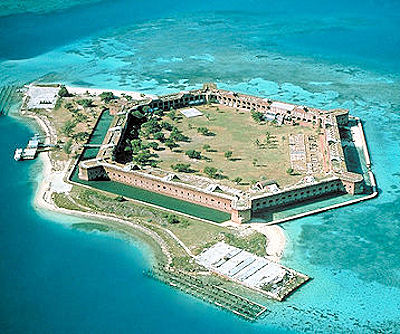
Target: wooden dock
[[34, 146]]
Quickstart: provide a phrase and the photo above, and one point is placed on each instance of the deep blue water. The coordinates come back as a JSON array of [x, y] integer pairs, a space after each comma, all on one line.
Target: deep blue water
[[341, 54]]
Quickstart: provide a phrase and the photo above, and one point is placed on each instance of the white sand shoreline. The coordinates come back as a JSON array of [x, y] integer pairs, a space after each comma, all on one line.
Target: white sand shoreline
[[98, 91], [276, 239]]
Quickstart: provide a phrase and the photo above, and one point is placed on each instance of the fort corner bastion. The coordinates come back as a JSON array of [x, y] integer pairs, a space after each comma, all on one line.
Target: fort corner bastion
[[334, 176]]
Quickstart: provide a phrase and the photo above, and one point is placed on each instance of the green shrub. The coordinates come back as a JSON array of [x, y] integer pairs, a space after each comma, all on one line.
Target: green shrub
[[193, 154]]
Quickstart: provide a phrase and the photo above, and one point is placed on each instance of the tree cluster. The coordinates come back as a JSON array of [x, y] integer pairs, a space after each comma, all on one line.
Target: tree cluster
[[63, 92], [181, 167], [193, 154], [257, 116], [107, 96]]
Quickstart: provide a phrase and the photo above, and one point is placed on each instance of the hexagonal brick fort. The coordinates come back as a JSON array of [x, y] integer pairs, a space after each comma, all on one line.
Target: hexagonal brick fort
[[241, 205]]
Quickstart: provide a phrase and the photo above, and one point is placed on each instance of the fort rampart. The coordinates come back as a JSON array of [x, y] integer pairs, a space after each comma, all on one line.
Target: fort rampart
[[340, 180]]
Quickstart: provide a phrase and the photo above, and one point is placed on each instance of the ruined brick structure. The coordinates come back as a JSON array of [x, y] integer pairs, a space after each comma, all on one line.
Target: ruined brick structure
[[241, 207]]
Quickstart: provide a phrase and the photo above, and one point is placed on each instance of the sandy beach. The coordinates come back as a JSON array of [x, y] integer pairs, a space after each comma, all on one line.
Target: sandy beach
[[276, 239], [98, 91]]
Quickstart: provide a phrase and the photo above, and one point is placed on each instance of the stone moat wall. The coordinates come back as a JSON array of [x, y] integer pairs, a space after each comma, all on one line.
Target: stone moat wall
[[216, 201], [171, 189]]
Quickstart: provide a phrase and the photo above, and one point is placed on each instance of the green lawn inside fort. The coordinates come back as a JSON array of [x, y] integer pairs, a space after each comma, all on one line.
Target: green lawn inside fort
[[227, 144]]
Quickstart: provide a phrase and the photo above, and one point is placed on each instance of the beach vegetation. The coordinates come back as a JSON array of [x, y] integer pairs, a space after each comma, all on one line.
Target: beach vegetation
[[58, 104], [107, 96], [68, 127], [67, 146], [80, 136], [79, 117], [63, 92], [61, 200], [120, 198], [86, 103], [254, 243], [69, 106]]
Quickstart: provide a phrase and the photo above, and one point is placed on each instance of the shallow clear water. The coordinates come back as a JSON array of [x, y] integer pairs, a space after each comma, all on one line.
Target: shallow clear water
[[343, 54]]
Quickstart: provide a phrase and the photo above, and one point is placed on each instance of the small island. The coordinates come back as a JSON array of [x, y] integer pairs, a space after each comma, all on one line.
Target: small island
[[204, 176]]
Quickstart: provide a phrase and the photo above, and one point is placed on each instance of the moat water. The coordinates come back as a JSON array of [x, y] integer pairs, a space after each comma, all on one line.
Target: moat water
[[55, 279]]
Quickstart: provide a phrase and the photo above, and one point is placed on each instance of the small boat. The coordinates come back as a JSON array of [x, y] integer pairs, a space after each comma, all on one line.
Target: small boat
[[18, 154]]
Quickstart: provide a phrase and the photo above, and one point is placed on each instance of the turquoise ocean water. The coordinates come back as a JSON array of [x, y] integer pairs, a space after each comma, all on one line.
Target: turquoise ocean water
[[54, 279]]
